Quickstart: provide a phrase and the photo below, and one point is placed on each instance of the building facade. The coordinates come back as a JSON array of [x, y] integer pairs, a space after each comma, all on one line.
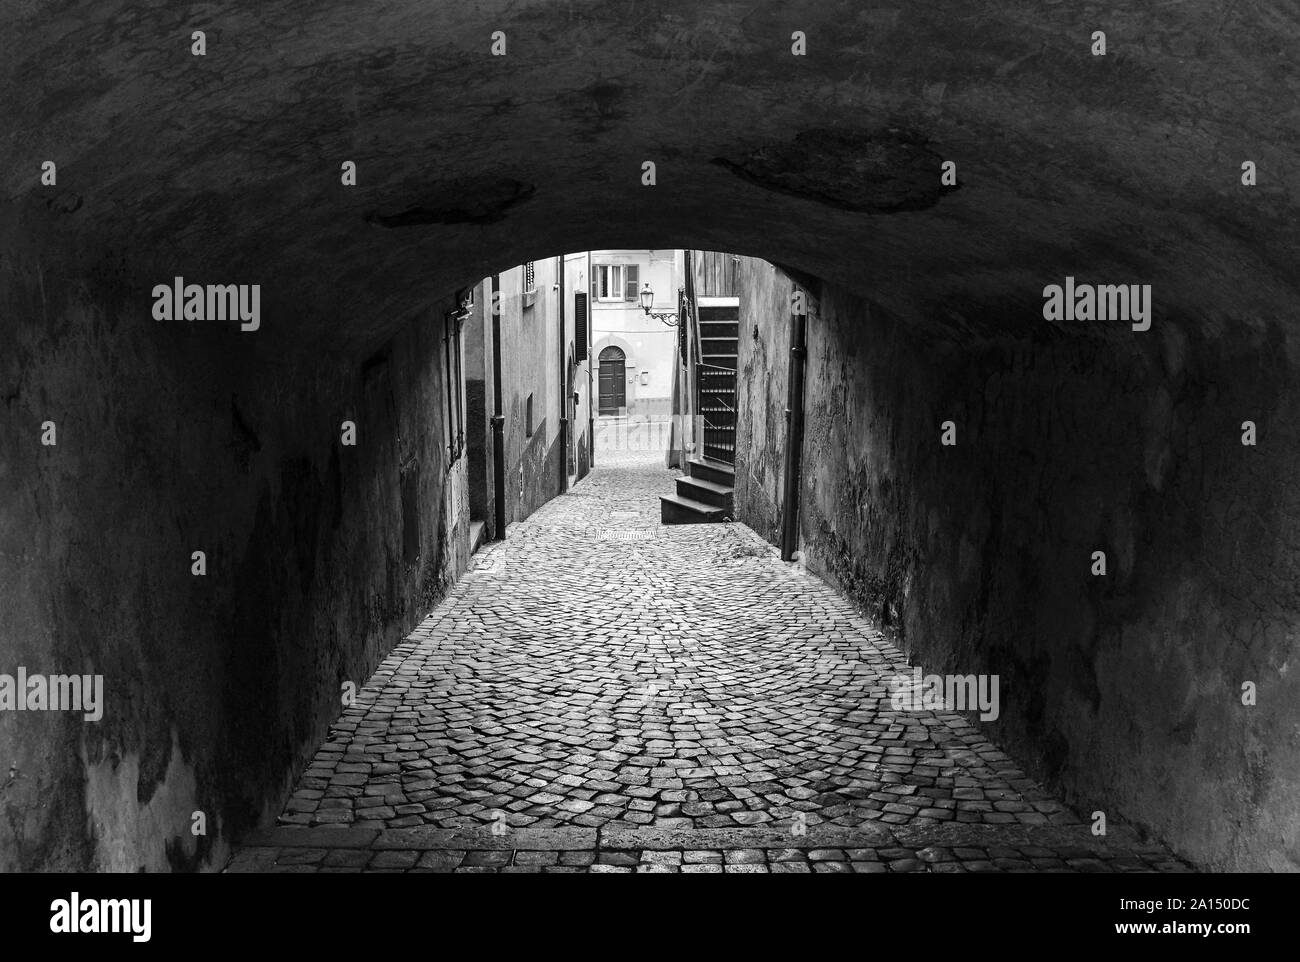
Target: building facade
[[632, 353], [526, 378]]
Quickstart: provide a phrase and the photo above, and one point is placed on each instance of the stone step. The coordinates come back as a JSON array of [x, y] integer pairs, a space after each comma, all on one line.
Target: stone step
[[719, 329], [675, 509], [708, 469], [705, 492], [720, 313], [711, 346]]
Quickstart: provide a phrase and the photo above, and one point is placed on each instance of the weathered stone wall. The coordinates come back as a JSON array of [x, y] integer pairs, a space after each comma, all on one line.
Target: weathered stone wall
[[762, 387], [536, 476], [530, 367], [1124, 690], [479, 403], [180, 436]]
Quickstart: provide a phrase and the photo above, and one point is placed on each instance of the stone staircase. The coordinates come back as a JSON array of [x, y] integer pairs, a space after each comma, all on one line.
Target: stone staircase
[[716, 375], [704, 496]]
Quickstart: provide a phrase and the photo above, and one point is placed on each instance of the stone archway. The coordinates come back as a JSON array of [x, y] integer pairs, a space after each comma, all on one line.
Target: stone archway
[[926, 170]]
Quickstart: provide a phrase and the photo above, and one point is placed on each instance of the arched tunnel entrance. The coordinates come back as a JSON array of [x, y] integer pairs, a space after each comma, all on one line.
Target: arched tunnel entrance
[[1049, 413]]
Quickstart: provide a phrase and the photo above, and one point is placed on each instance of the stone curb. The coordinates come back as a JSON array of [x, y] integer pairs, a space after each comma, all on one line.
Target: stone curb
[[1044, 836], [716, 839], [727, 839], [314, 838], [482, 839]]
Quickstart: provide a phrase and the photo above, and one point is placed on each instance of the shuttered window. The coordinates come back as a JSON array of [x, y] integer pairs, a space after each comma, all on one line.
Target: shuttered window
[[617, 282], [580, 327], [609, 283]]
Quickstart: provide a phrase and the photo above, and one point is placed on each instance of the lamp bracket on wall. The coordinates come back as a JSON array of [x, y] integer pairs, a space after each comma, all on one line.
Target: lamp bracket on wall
[[647, 297]]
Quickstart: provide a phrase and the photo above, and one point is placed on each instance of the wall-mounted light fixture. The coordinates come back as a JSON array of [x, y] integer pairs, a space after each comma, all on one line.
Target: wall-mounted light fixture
[[647, 297]]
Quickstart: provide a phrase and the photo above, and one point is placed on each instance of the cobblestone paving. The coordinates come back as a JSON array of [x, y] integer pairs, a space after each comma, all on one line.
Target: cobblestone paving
[[639, 689], [873, 849]]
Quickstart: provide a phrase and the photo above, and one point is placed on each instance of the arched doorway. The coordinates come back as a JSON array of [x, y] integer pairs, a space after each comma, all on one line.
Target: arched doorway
[[613, 381]]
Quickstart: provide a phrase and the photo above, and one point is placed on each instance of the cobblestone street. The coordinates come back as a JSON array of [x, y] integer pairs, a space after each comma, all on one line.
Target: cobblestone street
[[603, 692]]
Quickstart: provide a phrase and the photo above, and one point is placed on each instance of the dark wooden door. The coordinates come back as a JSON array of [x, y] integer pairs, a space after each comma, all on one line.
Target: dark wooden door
[[613, 381]]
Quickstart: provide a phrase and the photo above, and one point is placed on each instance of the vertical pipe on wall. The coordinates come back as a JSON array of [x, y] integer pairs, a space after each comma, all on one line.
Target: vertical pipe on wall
[[498, 421], [694, 354], [591, 397], [462, 312], [794, 430], [690, 373], [563, 389]]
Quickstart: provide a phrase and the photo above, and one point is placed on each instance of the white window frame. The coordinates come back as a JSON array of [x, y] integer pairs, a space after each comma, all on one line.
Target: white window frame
[[620, 288]]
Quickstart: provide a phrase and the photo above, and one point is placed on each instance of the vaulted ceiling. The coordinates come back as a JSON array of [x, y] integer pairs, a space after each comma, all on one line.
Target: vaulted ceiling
[[1122, 168]]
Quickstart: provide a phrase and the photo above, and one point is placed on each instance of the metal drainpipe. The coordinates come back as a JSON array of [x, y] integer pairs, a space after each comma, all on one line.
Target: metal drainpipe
[[564, 393], [691, 417], [498, 424], [793, 437], [591, 361]]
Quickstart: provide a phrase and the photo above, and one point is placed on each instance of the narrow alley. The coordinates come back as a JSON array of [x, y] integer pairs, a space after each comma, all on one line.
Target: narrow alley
[[604, 692], [689, 437]]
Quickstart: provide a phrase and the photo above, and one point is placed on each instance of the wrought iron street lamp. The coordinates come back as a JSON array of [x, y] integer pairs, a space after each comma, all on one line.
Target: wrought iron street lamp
[[647, 301]]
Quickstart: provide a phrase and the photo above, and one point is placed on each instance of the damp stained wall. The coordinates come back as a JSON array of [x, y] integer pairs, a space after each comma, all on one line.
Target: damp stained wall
[[530, 368], [1123, 690], [180, 436]]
